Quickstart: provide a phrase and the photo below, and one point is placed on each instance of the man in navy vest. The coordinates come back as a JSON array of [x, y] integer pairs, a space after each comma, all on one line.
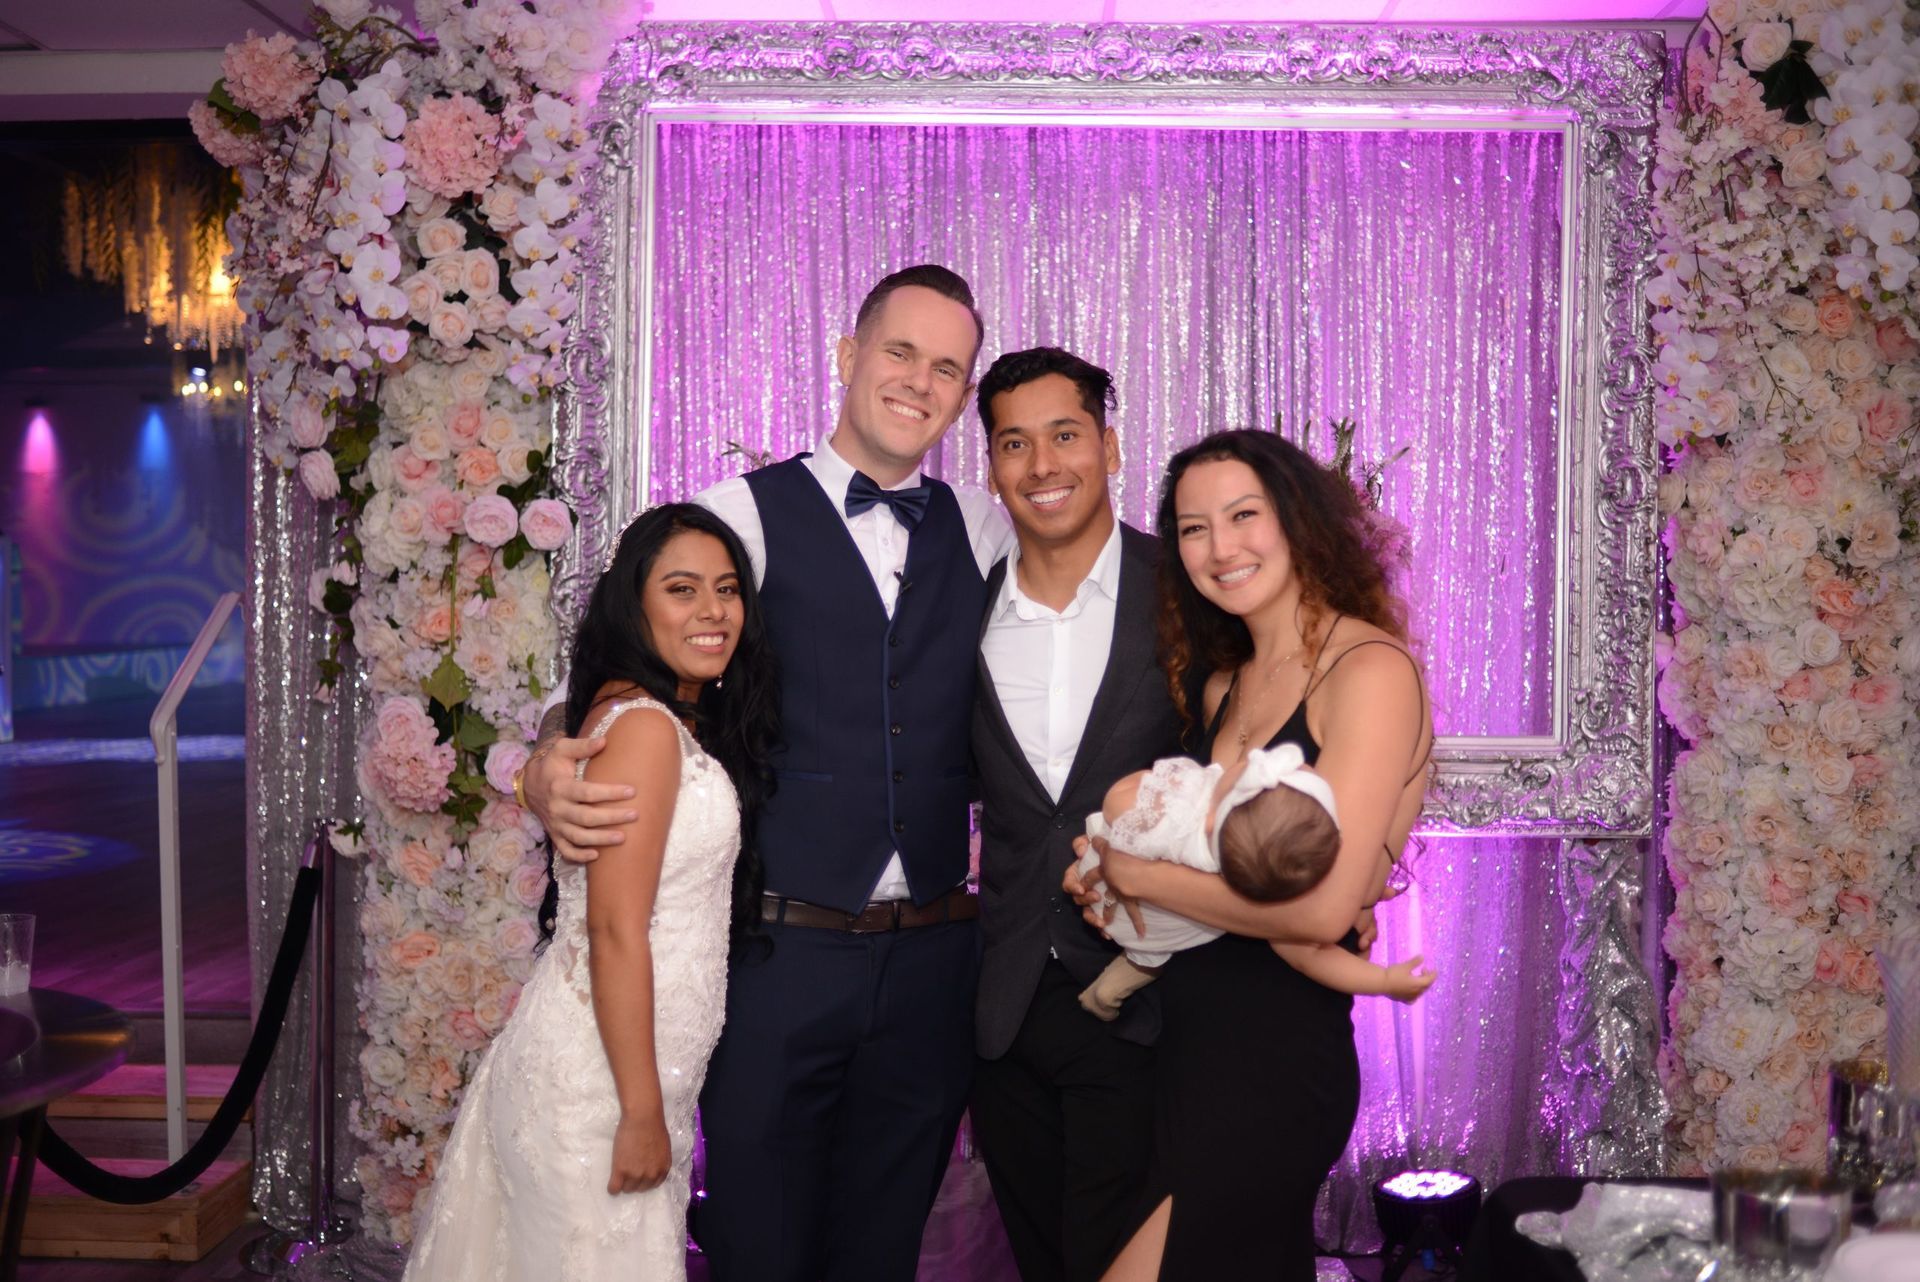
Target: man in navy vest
[[832, 1100]]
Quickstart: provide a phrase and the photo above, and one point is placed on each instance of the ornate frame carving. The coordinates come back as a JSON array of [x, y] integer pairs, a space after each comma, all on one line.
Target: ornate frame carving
[[1593, 774]]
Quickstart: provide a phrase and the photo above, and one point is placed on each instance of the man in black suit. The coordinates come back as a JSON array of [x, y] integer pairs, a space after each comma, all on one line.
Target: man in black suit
[[1069, 699]]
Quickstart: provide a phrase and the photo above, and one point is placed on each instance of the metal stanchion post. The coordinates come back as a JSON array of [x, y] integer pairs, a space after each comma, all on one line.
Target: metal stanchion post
[[279, 1252]]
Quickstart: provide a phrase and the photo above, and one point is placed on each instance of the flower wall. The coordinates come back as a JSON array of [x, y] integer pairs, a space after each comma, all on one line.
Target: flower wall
[[405, 251], [1784, 317]]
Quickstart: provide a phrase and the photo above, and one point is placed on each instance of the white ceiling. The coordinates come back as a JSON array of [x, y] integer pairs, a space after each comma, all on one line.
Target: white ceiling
[[140, 59]]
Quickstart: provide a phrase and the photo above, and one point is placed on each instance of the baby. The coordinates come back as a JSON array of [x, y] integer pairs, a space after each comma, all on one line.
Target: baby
[[1267, 826]]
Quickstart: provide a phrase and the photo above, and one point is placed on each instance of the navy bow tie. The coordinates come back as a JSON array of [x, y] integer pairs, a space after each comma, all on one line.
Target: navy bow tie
[[908, 505]]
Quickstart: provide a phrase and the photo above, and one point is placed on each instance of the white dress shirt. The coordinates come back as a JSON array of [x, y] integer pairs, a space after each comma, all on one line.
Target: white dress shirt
[[882, 541], [1047, 664]]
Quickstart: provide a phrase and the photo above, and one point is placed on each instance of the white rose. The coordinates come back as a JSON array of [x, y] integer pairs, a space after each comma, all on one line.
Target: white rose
[[451, 324], [1751, 1113], [430, 441], [1736, 1036], [1818, 644], [1765, 45], [1783, 656], [1746, 738], [469, 382], [1797, 313], [1839, 431], [439, 237], [1904, 378], [1853, 359], [383, 1065], [1804, 164], [1840, 721], [1789, 364]]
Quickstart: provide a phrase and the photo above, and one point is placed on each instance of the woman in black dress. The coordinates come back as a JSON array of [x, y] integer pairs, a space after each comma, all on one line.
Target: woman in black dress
[[1279, 623]]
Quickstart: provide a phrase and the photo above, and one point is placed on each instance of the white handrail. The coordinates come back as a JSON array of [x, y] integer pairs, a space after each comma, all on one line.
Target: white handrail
[[164, 729]]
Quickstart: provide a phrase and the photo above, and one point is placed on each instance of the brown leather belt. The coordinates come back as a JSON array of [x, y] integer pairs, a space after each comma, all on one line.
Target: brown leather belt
[[958, 904]]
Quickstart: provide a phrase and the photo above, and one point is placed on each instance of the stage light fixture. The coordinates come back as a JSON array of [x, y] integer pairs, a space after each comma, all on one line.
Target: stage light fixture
[[1425, 1215]]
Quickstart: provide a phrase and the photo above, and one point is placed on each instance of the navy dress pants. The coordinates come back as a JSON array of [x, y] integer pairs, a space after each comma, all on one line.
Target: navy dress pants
[[831, 1102]]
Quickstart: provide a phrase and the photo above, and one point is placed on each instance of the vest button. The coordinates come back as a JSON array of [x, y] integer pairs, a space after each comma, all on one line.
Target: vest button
[[899, 776], [893, 683], [893, 640], [894, 728], [1059, 821], [899, 825]]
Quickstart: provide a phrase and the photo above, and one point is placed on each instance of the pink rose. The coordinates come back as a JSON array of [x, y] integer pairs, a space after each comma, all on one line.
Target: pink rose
[[1877, 695], [417, 864], [317, 473], [491, 520], [516, 937], [306, 423], [1885, 416], [490, 313], [1896, 345], [1806, 485], [465, 421], [1836, 596], [1836, 315], [465, 1031], [477, 467], [434, 626], [412, 951], [1859, 973], [413, 472], [503, 759], [547, 524], [445, 511], [529, 885]]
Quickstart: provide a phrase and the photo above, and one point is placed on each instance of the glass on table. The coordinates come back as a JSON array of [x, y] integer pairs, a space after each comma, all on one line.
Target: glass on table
[[16, 953]]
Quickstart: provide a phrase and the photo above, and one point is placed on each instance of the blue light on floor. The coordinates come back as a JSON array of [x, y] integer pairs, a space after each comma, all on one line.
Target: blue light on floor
[[156, 450]]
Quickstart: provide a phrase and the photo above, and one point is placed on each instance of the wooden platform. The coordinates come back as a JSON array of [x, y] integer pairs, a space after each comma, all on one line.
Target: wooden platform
[[139, 1091], [63, 1223]]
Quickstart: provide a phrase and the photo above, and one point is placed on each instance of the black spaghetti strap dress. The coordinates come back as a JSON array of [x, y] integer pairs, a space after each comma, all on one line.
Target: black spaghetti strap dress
[[1257, 1090]]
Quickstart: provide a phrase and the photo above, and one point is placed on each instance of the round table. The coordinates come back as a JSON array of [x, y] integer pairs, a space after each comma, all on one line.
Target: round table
[[51, 1044]]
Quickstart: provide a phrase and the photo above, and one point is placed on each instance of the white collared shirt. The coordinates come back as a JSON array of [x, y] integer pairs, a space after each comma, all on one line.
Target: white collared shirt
[[1047, 664], [882, 541]]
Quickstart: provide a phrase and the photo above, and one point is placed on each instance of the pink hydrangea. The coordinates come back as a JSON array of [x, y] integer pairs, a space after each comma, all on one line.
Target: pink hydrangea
[[268, 75], [452, 146], [404, 761], [227, 148]]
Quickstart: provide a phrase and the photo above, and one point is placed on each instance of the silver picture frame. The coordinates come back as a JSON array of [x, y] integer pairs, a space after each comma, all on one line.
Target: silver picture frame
[[1591, 773]]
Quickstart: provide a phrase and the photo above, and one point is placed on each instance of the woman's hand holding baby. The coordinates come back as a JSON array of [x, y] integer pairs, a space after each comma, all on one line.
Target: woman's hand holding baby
[[1406, 981]]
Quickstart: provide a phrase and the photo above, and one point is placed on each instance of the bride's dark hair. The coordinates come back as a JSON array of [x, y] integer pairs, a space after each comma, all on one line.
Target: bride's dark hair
[[736, 719]]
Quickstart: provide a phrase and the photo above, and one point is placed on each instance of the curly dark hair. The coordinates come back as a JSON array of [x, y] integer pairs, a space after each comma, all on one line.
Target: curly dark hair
[[1016, 369], [736, 719], [1325, 529]]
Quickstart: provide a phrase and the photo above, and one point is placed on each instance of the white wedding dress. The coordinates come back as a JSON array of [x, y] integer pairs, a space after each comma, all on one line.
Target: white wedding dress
[[521, 1191]]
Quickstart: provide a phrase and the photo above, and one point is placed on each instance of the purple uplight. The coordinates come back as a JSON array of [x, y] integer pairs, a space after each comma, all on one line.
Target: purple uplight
[[1425, 1185], [39, 453]]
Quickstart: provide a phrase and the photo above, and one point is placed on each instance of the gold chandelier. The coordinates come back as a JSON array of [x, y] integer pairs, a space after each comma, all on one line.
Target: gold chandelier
[[155, 225]]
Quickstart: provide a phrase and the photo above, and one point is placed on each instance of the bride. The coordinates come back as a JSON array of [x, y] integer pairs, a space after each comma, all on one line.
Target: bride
[[570, 1157]]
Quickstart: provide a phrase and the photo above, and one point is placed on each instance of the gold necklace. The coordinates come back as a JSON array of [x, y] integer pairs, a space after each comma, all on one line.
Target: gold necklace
[[1267, 685]]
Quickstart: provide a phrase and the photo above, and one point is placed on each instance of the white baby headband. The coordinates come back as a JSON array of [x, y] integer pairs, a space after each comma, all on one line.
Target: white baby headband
[[1281, 767]]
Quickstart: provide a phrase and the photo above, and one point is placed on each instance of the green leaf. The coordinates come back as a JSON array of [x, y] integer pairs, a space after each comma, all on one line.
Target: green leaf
[[487, 590], [338, 597], [533, 681], [475, 733], [515, 551], [448, 686], [1789, 85]]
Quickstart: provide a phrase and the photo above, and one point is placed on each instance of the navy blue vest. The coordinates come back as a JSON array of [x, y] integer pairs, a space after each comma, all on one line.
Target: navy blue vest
[[875, 712]]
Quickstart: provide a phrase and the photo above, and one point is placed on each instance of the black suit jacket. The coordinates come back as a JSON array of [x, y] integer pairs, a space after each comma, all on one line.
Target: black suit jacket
[[1026, 837]]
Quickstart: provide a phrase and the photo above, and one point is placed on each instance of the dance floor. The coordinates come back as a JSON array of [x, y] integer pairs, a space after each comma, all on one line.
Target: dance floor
[[79, 842]]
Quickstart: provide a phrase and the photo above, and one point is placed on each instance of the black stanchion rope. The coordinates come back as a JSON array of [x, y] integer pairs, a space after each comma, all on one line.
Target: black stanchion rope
[[63, 1160]]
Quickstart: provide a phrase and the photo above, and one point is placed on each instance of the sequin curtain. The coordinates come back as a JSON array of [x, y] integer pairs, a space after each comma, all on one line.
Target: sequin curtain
[[299, 768], [1228, 278]]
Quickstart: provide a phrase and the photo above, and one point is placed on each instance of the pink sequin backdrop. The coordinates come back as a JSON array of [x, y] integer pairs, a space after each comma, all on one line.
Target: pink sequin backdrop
[[1407, 279]]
